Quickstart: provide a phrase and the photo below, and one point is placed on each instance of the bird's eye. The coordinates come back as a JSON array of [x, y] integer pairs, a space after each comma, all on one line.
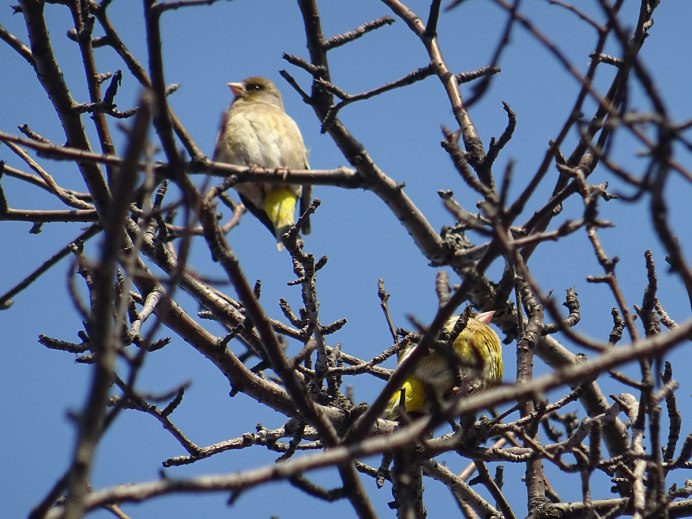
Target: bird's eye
[[254, 86]]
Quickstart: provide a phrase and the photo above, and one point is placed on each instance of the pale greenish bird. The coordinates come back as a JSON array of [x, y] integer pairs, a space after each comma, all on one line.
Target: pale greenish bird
[[257, 131], [479, 355]]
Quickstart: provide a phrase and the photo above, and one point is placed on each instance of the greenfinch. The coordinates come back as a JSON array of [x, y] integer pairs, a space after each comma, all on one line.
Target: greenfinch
[[478, 364], [256, 131]]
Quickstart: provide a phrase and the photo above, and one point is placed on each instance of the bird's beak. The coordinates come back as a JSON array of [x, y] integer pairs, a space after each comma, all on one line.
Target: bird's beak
[[238, 89], [485, 317]]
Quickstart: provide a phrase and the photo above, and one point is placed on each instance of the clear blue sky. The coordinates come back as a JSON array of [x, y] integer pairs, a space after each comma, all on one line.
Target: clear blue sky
[[204, 48]]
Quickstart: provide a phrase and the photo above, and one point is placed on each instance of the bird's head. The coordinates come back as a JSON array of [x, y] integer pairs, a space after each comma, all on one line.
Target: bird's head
[[257, 90]]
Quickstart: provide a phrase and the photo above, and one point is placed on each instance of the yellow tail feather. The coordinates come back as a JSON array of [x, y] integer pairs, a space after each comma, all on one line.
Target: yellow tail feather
[[414, 399], [280, 206]]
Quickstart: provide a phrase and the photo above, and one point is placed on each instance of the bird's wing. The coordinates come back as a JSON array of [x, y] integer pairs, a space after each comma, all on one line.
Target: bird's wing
[[219, 137], [258, 212], [306, 198]]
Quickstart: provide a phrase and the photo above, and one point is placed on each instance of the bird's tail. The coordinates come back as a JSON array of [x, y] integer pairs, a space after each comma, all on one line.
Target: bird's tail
[[414, 400], [280, 206]]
